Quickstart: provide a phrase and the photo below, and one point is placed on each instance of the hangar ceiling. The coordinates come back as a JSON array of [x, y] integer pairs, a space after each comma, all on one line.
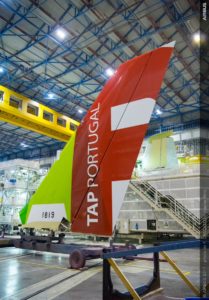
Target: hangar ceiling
[[57, 52]]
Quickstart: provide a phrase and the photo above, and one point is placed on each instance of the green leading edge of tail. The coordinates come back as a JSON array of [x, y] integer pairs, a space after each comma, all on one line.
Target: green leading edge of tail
[[56, 186]]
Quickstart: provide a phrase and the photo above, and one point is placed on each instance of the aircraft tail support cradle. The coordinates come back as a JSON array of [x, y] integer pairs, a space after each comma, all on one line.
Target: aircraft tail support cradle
[[109, 293], [154, 285]]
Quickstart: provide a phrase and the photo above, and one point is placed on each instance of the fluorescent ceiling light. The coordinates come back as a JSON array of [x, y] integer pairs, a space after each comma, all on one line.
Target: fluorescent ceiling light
[[50, 95], [158, 112], [199, 38], [80, 111], [24, 145], [109, 72], [61, 33], [196, 38]]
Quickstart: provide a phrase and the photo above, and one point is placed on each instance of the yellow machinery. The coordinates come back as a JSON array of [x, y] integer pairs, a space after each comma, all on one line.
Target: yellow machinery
[[24, 112], [195, 159]]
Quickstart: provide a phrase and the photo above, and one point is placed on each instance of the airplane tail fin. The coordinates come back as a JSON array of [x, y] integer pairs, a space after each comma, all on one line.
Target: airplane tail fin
[[109, 139], [88, 184]]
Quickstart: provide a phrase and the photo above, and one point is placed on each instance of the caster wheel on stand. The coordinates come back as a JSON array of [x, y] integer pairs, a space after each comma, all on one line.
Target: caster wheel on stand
[[77, 259]]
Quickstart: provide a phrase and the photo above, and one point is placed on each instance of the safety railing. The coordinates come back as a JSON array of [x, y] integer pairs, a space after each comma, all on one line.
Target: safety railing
[[174, 208], [204, 226]]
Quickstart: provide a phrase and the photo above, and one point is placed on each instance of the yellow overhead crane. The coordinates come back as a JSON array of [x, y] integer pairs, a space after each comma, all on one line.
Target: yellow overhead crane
[[24, 112]]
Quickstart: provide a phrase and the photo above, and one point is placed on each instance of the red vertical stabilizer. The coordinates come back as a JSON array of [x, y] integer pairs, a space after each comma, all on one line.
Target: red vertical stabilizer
[[109, 139]]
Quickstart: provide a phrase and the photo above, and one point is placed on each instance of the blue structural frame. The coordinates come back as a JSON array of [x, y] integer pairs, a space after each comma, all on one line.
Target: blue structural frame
[[109, 293], [82, 57], [23, 76], [37, 150], [156, 249]]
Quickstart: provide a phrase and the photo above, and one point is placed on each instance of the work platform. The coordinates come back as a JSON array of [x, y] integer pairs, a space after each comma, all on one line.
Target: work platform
[[35, 275]]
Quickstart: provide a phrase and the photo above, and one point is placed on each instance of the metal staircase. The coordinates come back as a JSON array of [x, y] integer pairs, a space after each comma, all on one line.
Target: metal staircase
[[171, 206]]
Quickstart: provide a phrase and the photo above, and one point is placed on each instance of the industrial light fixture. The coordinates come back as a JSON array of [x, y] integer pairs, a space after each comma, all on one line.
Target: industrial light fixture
[[196, 38], [158, 112], [80, 111], [1, 69], [50, 96], [61, 33], [24, 145], [199, 38], [109, 72]]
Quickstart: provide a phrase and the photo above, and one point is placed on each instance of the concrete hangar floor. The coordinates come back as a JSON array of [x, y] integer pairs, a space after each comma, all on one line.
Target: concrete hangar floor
[[42, 276]]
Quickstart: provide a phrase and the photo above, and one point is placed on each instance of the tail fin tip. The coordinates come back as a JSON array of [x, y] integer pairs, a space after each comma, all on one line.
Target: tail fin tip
[[169, 45]]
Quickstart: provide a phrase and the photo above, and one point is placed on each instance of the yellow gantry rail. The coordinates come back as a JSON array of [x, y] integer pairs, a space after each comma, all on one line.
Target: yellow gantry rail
[[24, 112]]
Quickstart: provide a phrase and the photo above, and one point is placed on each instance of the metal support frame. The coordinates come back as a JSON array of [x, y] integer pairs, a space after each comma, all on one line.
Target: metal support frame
[[19, 114], [180, 273], [124, 280], [82, 59], [79, 253], [109, 293], [36, 152]]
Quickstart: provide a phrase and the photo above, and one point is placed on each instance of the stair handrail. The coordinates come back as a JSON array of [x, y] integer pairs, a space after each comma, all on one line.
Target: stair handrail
[[204, 223], [179, 210]]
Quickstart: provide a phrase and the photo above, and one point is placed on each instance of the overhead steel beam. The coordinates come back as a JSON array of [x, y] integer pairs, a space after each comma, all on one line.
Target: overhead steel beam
[[99, 30], [92, 58], [10, 25], [23, 112], [115, 46], [46, 151], [173, 13]]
